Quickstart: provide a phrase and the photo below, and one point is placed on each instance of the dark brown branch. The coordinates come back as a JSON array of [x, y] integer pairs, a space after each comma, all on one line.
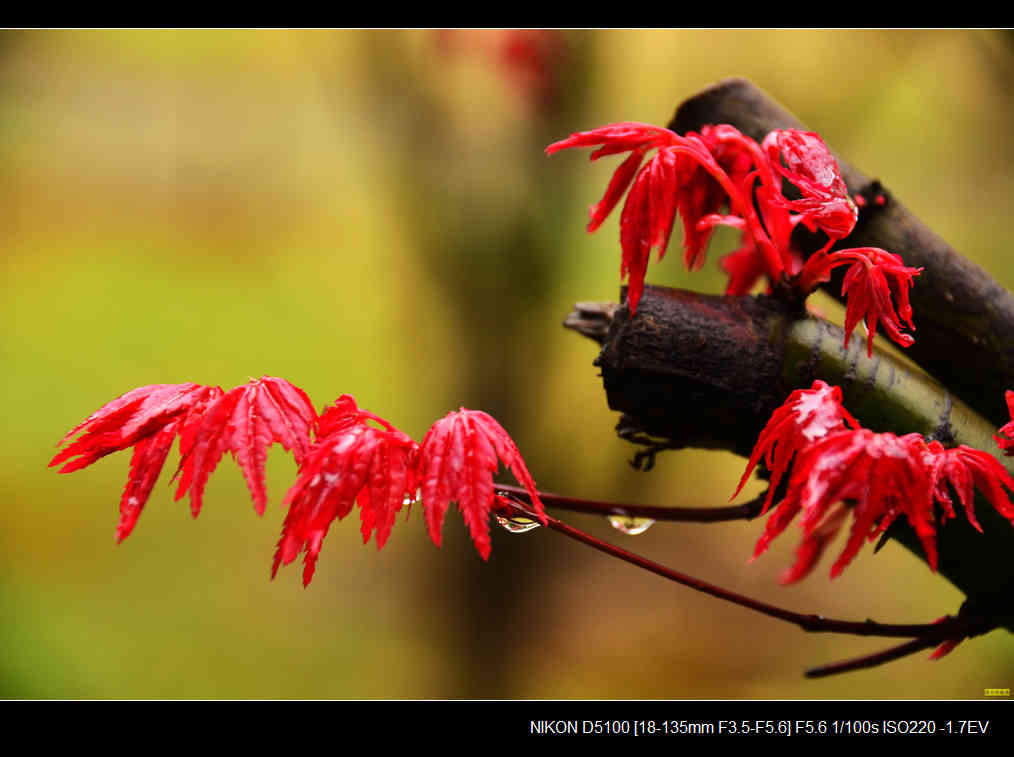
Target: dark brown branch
[[591, 319], [964, 317], [697, 370]]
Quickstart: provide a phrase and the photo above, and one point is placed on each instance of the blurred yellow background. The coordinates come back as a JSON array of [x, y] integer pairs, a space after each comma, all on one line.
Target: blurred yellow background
[[370, 212]]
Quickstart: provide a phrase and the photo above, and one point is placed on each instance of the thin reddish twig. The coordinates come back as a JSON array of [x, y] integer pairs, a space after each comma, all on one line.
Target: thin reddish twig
[[946, 628], [872, 660], [961, 628], [746, 511]]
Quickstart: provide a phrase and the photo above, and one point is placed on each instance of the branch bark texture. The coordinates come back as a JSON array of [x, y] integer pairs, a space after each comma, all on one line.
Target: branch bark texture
[[695, 370], [965, 319]]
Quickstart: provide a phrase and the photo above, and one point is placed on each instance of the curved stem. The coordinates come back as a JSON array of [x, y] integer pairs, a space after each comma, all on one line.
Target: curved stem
[[946, 628], [746, 511], [872, 660]]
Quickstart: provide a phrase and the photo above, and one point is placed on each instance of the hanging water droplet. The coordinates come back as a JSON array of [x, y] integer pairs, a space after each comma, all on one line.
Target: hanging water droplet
[[517, 525], [630, 526], [411, 499]]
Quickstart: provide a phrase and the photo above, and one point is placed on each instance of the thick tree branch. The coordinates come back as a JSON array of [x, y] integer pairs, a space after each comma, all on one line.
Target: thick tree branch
[[703, 371], [964, 317]]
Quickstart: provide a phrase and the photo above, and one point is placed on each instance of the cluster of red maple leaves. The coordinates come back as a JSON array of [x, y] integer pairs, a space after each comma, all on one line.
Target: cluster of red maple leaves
[[697, 174], [835, 461], [882, 476], [342, 459]]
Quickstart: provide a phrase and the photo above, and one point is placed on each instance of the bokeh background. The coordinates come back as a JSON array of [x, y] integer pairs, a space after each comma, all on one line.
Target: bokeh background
[[371, 212]]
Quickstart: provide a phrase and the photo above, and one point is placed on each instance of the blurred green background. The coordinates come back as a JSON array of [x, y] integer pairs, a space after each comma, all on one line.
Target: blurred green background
[[372, 213]]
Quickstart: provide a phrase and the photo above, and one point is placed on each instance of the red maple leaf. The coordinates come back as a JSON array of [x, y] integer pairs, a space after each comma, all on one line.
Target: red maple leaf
[[528, 59], [1006, 442], [874, 277], [814, 542], [457, 461], [744, 265], [126, 420], [532, 58], [246, 421], [344, 413], [807, 415], [683, 176], [966, 469], [835, 461], [884, 475], [352, 462], [148, 419], [868, 288], [696, 174], [803, 159]]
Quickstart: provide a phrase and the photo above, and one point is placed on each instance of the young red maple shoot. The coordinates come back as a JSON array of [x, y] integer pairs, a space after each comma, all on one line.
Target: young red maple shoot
[[885, 476], [697, 173], [806, 415], [874, 277], [803, 159]]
